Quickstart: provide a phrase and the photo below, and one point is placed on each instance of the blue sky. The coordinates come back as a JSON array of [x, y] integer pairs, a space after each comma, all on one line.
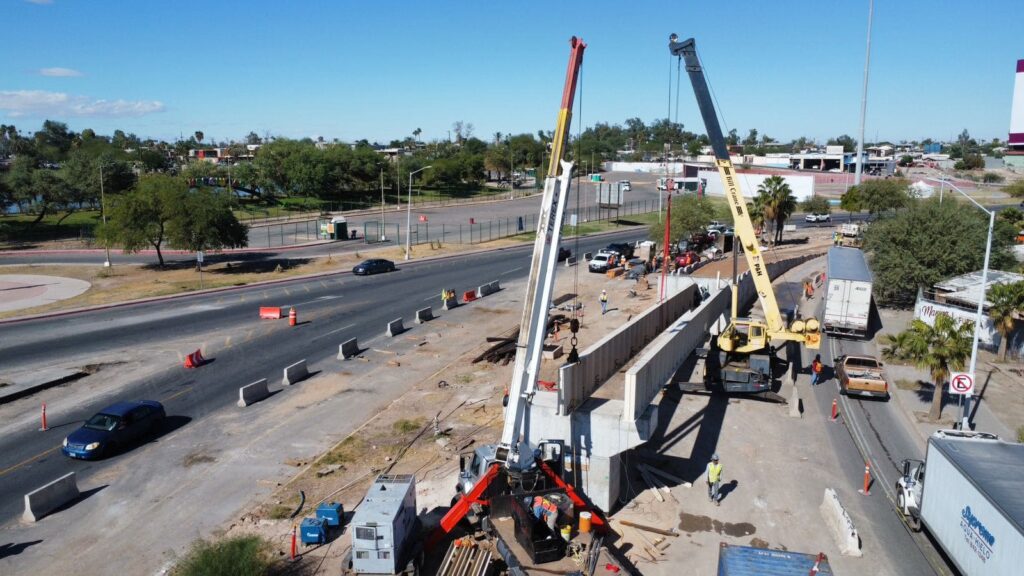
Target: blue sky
[[379, 70]]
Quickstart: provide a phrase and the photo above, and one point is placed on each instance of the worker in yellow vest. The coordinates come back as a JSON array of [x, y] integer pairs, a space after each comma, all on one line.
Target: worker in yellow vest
[[714, 474]]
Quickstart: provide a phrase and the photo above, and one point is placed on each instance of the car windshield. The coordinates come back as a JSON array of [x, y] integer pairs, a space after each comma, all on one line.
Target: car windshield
[[367, 263], [102, 422]]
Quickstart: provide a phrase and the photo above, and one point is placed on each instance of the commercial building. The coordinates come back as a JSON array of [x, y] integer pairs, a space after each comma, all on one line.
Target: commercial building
[[1014, 157], [958, 297]]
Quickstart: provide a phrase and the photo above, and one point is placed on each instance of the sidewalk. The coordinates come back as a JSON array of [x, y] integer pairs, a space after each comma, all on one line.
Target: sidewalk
[[997, 407]]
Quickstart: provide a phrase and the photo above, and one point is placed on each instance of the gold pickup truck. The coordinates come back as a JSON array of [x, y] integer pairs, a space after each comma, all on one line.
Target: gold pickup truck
[[861, 375]]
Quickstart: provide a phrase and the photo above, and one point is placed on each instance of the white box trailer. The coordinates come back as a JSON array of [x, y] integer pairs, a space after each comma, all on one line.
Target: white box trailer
[[971, 500], [848, 282]]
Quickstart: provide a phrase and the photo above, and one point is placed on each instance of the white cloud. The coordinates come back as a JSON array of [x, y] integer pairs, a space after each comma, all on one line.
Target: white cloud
[[59, 72], [20, 103]]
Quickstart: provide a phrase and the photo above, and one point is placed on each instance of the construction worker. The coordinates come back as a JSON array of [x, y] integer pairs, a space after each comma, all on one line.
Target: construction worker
[[816, 368], [604, 302], [714, 478]]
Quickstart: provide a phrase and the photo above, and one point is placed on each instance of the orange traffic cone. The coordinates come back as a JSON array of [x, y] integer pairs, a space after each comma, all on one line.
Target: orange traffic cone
[[293, 318]]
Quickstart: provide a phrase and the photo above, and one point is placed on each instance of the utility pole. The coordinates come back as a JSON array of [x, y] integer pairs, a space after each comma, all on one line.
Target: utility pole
[[382, 234], [103, 211], [864, 99]]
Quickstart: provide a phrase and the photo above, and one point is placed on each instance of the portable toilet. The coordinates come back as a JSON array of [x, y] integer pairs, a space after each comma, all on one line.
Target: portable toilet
[[339, 228], [384, 525]]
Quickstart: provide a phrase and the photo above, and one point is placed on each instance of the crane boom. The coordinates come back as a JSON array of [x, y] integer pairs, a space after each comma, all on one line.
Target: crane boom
[[532, 329], [743, 226]]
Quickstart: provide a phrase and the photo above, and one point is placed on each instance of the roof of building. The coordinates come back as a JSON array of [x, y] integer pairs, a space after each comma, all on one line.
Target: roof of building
[[967, 288]]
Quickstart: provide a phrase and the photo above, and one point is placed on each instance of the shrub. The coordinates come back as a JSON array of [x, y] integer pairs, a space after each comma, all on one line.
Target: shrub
[[992, 177], [238, 556]]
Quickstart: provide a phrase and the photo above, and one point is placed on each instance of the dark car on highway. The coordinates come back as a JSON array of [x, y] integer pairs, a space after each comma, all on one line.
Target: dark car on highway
[[373, 266], [113, 428]]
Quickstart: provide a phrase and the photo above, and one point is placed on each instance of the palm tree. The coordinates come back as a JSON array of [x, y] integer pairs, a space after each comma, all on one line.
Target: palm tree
[[1007, 302], [941, 349], [416, 134], [779, 197], [199, 136], [895, 346]]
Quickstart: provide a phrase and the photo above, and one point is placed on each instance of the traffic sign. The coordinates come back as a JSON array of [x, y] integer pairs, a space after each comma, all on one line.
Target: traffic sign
[[199, 256], [961, 383]]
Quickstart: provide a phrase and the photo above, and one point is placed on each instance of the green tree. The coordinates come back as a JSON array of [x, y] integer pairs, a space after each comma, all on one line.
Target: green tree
[[816, 205], [852, 201], [1007, 302], [927, 243], [751, 139], [689, 214], [941, 349], [139, 218], [846, 141], [878, 196], [204, 221], [906, 160]]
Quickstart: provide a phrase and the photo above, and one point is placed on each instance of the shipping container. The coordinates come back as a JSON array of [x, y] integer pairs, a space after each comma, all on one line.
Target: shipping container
[[747, 561], [847, 308]]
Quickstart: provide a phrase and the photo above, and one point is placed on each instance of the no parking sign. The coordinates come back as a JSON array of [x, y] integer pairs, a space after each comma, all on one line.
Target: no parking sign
[[961, 383]]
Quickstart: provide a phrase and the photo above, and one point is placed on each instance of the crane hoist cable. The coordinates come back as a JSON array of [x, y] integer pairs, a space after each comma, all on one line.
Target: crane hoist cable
[[574, 322]]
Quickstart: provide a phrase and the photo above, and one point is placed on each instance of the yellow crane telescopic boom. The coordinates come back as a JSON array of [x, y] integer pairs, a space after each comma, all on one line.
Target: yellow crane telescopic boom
[[742, 335]]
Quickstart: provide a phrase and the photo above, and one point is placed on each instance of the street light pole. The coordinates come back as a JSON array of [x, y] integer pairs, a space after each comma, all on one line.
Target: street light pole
[[103, 211], [981, 300], [864, 99], [408, 213]]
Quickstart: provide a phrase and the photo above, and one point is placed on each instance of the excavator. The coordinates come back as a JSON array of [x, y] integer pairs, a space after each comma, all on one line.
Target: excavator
[[746, 347]]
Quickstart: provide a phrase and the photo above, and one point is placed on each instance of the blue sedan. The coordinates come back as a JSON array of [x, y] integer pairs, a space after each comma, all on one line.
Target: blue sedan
[[113, 428]]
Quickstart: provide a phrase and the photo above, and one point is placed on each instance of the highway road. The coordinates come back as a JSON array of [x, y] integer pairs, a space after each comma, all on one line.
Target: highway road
[[331, 310]]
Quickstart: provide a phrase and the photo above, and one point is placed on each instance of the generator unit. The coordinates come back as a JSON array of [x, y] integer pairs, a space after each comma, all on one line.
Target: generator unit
[[384, 526]]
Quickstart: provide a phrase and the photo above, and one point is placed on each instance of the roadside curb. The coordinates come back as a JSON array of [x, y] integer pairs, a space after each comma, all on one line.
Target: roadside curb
[[265, 283]]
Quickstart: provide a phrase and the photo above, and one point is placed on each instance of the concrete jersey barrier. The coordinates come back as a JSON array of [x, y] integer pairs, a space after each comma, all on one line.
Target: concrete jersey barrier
[[424, 315], [348, 349], [253, 393], [395, 328], [295, 373], [450, 303], [42, 501], [840, 524]]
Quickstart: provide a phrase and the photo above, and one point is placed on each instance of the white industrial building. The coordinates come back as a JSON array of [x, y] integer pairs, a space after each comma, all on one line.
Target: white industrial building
[[1014, 157], [710, 182]]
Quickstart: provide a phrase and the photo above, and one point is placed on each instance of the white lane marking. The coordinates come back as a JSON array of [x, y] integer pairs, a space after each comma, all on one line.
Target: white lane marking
[[320, 299], [511, 271], [335, 331]]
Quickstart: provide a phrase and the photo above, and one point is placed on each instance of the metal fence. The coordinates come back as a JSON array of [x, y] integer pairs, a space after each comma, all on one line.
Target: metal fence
[[471, 232]]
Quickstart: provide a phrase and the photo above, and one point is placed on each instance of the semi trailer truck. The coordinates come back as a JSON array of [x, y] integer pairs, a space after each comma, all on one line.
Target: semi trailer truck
[[971, 500]]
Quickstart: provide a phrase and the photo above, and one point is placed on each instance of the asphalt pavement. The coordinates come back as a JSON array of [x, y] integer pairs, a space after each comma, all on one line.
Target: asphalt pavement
[[242, 348]]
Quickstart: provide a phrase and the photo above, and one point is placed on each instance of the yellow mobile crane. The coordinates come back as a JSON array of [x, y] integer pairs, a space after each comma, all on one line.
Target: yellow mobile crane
[[743, 366]]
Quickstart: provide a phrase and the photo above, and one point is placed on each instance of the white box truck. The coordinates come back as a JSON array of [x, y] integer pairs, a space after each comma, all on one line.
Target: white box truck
[[847, 293], [971, 500]]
